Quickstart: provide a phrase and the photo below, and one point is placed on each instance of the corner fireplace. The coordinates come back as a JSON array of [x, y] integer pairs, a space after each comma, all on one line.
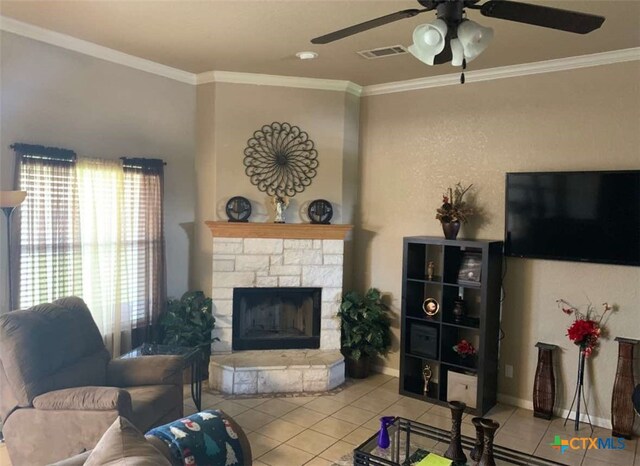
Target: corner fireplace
[[276, 318]]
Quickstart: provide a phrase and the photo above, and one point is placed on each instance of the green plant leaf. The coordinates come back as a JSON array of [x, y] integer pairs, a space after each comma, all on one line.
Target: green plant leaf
[[188, 321], [365, 324]]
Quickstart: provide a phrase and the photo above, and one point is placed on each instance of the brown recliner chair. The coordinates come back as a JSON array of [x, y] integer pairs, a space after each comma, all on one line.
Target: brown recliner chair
[[60, 390]]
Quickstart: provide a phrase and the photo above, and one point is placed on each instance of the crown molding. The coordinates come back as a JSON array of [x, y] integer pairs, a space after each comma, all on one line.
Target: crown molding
[[282, 81], [114, 56], [511, 71], [94, 50], [98, 51]]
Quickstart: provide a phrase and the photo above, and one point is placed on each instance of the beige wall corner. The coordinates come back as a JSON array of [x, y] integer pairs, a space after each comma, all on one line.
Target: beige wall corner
[[229, 114], [205, 165], [350, 180]]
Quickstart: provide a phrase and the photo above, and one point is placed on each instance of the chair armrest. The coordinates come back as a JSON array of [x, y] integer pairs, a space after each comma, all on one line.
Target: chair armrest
[[77, 460], [86, 399], [145, 370]]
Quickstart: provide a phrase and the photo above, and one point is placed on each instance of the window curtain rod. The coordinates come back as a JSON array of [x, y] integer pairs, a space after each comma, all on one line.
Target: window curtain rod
[[142, 162], [43, 152]]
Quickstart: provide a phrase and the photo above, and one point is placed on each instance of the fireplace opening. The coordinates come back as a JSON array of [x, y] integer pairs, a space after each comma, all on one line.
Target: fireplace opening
[[276, 318]]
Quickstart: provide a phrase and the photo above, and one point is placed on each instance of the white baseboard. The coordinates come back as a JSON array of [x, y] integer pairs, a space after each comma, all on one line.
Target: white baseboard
[[386, 370], [517, 402], [560, 412]]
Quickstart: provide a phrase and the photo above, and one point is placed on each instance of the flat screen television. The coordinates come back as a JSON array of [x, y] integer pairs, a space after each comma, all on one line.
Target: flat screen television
[[574, 216]]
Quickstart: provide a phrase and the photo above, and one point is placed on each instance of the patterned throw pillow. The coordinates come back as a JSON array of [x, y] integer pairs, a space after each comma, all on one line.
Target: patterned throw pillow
[[204, 438]]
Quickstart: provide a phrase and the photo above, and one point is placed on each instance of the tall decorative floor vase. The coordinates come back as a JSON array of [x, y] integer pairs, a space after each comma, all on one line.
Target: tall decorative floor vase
[[454, 452], [622, 413], [544, 384], [489, 426], [578, 396]]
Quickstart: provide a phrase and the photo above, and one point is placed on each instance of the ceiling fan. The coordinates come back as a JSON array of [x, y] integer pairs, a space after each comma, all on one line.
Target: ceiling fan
[[452, 37]]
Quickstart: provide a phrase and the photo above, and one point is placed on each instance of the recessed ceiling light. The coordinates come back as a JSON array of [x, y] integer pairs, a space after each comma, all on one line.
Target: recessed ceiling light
[[306, 55]]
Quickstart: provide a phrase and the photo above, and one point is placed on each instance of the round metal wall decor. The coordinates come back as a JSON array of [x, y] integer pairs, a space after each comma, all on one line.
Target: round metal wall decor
[[280, 159], [238, 209]]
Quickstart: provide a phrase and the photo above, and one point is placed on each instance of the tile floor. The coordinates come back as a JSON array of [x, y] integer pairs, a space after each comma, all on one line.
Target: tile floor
[[318, 430]]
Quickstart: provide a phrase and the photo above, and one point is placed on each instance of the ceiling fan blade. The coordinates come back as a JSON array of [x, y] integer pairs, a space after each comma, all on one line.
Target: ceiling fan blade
[[554, 18], [373, 23]]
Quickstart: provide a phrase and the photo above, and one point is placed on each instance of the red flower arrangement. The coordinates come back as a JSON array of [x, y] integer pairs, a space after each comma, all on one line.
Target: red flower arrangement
[[584, 331], [464, 348]]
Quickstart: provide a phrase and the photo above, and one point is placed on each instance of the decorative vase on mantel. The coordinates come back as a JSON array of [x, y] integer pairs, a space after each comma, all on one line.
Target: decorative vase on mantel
[[450, 229]]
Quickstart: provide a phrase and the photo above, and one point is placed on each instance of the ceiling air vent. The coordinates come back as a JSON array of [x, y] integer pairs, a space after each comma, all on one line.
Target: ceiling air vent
[[382, 52]]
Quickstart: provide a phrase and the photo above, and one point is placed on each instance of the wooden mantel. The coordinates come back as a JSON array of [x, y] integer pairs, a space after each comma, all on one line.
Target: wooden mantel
[[277, 230]]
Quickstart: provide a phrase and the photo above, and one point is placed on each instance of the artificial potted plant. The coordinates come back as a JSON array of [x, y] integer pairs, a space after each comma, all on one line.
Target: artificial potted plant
[[365, 330], [188, 321]]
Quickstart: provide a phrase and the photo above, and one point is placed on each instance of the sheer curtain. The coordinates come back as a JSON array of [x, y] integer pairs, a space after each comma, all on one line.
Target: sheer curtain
[[50, 264], [144, 241], [101, 187]]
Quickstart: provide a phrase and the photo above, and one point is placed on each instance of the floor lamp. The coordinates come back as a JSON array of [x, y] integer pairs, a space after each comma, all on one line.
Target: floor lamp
[[9, 200]]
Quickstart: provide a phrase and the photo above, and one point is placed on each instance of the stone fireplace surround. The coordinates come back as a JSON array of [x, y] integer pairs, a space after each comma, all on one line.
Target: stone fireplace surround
[[277, 255]]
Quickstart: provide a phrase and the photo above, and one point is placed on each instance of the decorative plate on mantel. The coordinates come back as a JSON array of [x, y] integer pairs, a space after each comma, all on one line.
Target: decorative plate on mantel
[[238, 209], [320, 211]]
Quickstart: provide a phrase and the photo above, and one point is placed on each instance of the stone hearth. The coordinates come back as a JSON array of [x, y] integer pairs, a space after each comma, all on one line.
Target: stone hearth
[[277, 371], [264, 255]]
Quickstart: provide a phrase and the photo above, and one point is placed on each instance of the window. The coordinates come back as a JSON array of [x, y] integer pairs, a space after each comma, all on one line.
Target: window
[[50, 252], [93, 228]]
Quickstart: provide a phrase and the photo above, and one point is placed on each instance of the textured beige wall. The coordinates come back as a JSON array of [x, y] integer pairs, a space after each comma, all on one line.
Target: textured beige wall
[[415, 144], [229, 114], [56, 97]]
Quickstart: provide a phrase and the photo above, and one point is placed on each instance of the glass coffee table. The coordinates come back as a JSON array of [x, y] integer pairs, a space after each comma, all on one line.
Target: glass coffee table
[[411, 441], [192, 356]]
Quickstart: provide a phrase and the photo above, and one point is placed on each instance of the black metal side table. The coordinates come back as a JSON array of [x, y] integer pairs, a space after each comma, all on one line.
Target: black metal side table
[[193, 357]]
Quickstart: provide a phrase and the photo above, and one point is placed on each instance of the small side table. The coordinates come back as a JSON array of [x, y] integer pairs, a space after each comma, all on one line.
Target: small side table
[[193, 357]]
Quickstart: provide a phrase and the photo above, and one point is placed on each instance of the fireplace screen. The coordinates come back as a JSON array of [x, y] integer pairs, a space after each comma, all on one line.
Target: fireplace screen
[[276, 318]]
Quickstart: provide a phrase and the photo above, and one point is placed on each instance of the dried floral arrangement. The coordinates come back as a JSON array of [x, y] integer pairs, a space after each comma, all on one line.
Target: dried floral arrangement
[[454, 208]]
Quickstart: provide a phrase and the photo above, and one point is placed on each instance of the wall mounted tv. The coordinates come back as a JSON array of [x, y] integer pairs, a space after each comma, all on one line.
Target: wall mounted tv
[[574, 216]]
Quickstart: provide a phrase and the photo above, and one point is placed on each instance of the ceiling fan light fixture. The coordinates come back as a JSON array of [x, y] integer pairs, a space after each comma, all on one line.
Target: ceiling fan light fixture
[[428, 41], [474, 38], [457, 52], [432, 37]]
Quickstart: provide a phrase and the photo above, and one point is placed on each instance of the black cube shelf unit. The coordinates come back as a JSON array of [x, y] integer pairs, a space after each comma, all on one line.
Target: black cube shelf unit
[[429, 340]]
